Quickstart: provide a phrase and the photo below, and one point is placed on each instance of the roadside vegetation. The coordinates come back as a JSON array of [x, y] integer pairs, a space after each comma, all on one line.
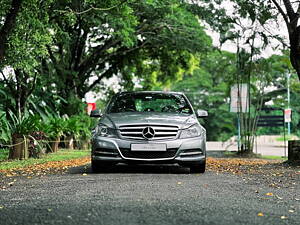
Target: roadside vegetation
[[60, 156], [53, 54]]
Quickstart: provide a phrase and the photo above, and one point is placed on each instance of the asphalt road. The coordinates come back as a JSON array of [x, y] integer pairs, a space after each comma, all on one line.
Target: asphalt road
[[159, 195]]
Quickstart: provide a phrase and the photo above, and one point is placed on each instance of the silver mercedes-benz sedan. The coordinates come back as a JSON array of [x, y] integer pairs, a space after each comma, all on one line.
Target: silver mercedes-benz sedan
[[149, 127]]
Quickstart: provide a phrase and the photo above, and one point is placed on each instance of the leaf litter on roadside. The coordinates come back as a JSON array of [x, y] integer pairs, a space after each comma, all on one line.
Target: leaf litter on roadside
[[54, 167], [46, 168], [276, 173], [272, 170]]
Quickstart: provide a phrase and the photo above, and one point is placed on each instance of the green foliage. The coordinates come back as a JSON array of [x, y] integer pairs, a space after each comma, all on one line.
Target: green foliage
[[59, 50], [55, 127], [4, 153], [5, 132], [28, 41], [79, 126], [21, 126], [208, 88], [152, 40]]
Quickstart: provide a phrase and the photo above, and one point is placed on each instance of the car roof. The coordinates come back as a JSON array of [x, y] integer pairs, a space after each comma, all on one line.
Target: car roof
[[151, 92]]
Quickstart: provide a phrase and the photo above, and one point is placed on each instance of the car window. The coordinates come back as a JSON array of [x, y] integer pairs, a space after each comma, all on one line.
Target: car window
[[149, 102]]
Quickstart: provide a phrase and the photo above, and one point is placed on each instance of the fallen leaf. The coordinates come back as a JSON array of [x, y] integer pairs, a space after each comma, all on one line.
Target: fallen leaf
[[279, 197], [260, 214], [269, 194]]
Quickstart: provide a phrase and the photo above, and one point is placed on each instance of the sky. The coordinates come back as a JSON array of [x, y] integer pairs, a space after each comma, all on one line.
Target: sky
[[272, 28]]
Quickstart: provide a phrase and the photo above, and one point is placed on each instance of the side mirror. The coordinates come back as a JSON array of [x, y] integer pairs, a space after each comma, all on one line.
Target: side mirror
[[201, 113], [96, 113]]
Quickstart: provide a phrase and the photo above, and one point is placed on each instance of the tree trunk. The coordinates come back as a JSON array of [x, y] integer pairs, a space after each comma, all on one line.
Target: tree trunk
[[53, 145], [294, 151], [83, 144], [69, 142], [9, 24], [20, 149], [295, 49]]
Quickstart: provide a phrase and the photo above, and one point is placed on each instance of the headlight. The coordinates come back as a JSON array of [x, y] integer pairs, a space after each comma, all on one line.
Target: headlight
[[193, 131], [104, 131]]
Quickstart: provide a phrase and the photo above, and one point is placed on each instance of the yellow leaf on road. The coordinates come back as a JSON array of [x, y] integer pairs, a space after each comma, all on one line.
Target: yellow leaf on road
[[260, 214], [269, 194]]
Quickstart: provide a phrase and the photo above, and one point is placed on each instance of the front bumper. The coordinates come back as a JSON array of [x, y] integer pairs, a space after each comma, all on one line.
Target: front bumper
[[182, 151]]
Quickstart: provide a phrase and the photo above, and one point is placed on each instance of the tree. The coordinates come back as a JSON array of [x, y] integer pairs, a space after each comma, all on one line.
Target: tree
[[208, 88], [25, 48], [8, 16], [133, 39], [291, 18], [268, 12]]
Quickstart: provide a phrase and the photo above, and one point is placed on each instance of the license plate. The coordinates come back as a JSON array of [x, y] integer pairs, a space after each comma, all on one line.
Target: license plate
[[149, 147]]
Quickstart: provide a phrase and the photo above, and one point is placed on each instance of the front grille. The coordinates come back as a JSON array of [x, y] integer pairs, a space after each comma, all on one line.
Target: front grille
[[170, 153], [160, 131]]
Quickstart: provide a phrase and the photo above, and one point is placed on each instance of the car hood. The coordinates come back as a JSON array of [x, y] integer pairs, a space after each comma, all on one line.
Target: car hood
[[130, 118]]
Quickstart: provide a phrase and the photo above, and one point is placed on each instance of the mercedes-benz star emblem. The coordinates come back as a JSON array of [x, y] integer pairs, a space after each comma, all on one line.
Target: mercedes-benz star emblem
[[148, 132]]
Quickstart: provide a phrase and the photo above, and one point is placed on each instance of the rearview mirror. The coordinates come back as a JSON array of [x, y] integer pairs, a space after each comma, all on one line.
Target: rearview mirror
[[96, 113], [201, 113]]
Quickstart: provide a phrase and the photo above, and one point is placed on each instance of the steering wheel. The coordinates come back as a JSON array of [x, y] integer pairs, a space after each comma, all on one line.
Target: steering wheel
[[167, 108]]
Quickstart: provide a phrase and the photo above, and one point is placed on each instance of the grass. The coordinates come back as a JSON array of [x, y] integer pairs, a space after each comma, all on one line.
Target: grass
[[61, 155], [4, 154], [273, 157], [287, 138]]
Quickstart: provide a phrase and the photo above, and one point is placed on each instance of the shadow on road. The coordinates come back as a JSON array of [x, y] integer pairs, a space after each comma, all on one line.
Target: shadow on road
[[124, 168]]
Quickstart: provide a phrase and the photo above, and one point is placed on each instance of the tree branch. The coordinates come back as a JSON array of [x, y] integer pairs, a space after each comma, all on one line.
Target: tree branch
[[107, 73], [8, 25], [289, 9], [33, 85], [10, 86], [92, 8], [286, 19], [80, 49], [93, 59]]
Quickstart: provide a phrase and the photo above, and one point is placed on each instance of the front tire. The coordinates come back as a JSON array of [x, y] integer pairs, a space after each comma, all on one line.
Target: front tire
[[200, 168]]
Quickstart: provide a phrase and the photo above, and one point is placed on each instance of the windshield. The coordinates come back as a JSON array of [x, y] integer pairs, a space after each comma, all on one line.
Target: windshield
[[149, 102]]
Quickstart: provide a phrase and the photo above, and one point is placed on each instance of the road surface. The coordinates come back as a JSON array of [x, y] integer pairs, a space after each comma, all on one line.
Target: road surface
[[148, 194]]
